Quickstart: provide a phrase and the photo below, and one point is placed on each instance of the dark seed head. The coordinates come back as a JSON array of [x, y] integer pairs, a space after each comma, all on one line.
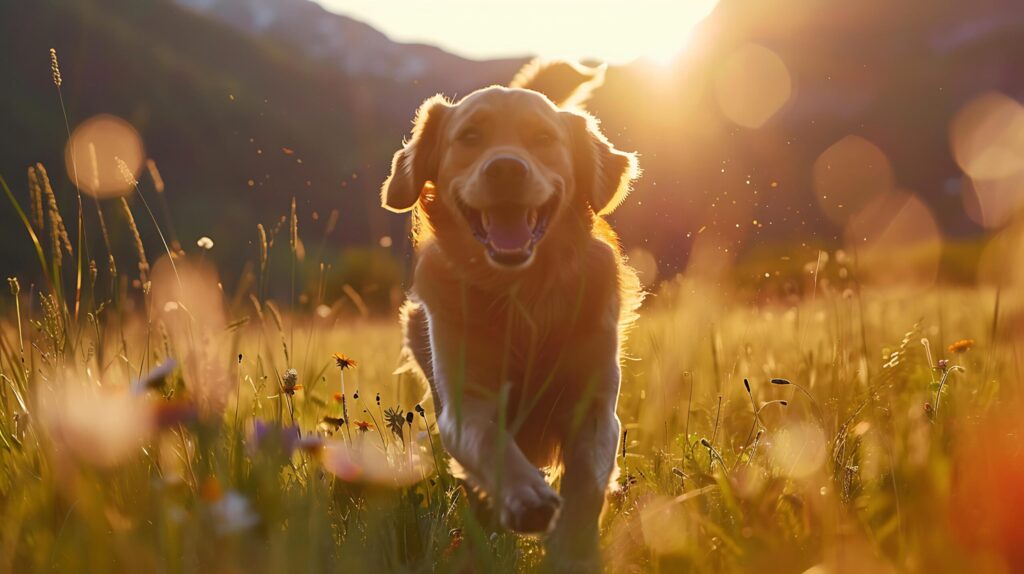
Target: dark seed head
[[746, 384], [780, 382]]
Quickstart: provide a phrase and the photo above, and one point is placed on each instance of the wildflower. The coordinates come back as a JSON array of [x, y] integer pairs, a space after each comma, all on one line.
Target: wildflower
[[455, 535], [210, 490], [234, 513], [395, 418], [289, 382], [961, 346], [943, 364], [205, 242], [337, 397], [171, 413], [363, 426], [344, 362], [310, 444], [276, 439]]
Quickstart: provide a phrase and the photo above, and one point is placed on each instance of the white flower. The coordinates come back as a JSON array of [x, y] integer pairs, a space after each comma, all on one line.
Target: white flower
[[205, 243], [234, 513]]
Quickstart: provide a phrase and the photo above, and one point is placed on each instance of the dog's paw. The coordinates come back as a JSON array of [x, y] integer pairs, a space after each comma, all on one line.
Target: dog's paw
[[530, 508]]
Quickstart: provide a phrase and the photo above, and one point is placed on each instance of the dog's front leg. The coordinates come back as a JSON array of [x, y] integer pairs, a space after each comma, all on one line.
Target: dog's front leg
[[589, 460], [469, 429], [517, 488]]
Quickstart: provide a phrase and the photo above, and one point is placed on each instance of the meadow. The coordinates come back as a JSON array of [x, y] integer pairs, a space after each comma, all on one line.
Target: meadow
[[153, 420]]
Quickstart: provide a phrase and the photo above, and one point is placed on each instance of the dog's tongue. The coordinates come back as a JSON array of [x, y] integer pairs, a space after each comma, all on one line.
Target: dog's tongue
[[508, 229]]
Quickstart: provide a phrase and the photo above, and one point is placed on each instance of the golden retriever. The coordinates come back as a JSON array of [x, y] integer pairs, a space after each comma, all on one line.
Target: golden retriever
[[521, 295]]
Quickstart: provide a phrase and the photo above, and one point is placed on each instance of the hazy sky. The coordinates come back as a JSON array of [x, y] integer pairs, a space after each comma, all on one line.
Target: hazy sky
[[612, 30]]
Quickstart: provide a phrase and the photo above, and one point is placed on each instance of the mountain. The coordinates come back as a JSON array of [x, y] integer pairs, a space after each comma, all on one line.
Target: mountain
[[246, 103], [237, 122], [337, 41]]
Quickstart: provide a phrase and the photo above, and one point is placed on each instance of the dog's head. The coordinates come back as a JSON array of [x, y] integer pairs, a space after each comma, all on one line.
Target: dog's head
[[510, 164]]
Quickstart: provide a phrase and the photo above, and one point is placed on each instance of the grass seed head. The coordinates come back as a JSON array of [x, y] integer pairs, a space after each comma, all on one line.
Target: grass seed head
[[55, 68]]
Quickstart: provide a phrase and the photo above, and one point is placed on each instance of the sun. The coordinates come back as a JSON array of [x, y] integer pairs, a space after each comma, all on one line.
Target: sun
[[611, 31]]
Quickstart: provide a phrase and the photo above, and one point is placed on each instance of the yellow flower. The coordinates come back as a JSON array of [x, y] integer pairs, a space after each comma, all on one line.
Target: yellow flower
[[344, 362]]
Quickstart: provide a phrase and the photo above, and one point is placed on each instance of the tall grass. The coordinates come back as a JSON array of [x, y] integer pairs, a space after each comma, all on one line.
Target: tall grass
[[171, 427]]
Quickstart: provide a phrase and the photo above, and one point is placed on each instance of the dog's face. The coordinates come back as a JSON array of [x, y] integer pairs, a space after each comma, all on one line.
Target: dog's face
[[511, 165], [506, 168]]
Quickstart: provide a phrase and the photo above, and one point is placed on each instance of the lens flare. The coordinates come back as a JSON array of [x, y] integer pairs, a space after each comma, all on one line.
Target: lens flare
[[752, 85], [850, 174], [668, 526], [645, 265], [191, 307], [897, 241], [90, 155], [96, 426], [987, 139], [798, 451]]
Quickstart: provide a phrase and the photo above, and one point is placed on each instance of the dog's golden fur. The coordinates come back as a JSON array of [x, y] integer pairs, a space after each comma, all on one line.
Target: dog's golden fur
[[532, 349]]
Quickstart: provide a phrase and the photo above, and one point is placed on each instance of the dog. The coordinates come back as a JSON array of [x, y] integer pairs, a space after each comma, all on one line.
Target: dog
[[521, 297]]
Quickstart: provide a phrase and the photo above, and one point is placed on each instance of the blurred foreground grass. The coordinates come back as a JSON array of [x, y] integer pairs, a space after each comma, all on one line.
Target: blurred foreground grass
[[174, 438]]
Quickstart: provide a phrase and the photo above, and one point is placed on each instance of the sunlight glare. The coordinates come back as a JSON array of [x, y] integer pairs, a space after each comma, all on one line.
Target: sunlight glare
[[91, 153], [614, 32]]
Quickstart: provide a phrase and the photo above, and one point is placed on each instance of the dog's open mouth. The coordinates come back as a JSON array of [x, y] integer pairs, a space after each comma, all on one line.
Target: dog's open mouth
[[510, 232]]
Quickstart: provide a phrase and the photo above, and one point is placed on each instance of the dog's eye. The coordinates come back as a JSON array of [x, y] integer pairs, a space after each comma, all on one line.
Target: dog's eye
[[543, 138], [469, 136]]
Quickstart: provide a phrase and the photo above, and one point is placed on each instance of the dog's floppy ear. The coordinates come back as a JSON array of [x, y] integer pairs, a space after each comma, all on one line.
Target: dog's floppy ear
[[418, 161], [567, 84], [603, 173]]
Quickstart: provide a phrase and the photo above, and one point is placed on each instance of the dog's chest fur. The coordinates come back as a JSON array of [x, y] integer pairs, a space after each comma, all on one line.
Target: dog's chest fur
[[527, 331]]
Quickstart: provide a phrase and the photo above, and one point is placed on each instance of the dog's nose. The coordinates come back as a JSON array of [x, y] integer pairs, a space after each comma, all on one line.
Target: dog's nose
[[506, 171]]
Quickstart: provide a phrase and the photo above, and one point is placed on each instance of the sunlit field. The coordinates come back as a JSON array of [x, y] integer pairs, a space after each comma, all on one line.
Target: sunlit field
[[175, 427], [208, 374]]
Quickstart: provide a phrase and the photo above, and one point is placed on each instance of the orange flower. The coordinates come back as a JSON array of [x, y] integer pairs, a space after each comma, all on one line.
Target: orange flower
[[210, 489], [337, 397], [363, 426], [961, 346], [344, 362]]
